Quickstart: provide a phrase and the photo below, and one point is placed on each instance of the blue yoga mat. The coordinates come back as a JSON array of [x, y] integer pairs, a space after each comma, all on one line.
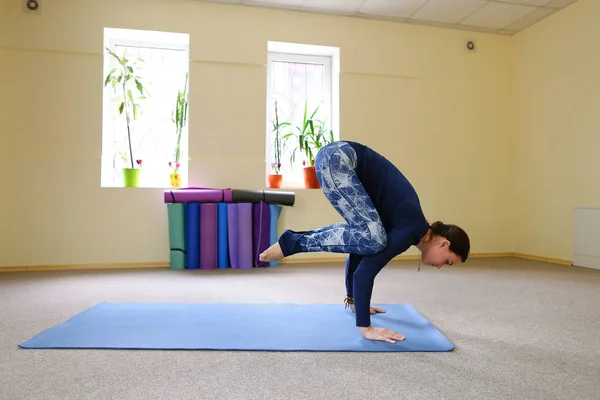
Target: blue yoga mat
[[218, 326]]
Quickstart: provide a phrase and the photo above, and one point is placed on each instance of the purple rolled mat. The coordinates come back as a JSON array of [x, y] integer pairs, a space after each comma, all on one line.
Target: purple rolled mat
[[245, 235], [194, 194], [261, 224], [208, 235], [233, 234]]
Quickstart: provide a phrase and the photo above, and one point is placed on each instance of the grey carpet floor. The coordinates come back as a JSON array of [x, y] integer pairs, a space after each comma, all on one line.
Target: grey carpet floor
[[522, 330]]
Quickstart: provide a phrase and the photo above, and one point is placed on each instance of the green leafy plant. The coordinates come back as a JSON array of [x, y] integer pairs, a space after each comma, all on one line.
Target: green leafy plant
[[179, 117], [277, 142], [125, 82], [320, 137], [311, 136]]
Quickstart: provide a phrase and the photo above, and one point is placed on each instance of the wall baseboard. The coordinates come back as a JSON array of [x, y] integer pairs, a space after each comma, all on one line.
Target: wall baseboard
[[299, 260], [543, 259], [83, 267]]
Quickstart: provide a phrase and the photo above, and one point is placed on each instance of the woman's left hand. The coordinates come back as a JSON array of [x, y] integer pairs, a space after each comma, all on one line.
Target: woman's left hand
[[375, 310]]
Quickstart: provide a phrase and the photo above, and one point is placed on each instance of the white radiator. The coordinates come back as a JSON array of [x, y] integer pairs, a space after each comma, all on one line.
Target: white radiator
[[586, 246]]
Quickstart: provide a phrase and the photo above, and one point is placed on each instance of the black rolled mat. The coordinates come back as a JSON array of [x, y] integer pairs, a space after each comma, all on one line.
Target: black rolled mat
[[270, 196]]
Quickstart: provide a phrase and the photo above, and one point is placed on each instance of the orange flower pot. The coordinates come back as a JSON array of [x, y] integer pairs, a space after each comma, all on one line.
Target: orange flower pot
[[275, 181], [310, 178]]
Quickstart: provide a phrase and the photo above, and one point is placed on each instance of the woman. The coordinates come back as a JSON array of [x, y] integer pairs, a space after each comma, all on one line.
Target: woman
[[383, 218]]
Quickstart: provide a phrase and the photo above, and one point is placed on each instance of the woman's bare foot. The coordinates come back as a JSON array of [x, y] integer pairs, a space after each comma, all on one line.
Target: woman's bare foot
[[271, 254]]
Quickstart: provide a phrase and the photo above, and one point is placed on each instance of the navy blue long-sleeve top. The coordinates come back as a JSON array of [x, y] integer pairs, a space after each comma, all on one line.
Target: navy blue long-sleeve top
[[400, 211]]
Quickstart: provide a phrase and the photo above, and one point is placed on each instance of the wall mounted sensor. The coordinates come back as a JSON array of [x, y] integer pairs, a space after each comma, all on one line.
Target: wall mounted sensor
[[471, 45], [32, 6]]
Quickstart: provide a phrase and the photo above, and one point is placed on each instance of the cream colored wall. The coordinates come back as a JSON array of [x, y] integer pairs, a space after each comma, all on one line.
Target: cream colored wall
[[442, 114], [557, 81]]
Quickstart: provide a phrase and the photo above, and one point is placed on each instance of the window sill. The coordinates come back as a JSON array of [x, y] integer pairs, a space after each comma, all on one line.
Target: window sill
[[292, 187], [138, 187], [294, 182]]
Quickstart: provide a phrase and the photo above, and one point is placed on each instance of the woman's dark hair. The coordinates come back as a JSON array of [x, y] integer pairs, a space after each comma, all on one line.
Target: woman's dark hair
[[459, 240]]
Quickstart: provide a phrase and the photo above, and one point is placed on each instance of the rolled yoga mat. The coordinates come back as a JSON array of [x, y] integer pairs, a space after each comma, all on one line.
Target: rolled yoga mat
[[198, 195], [233, 234], [192, 235], [221, 326], [222, 239], [176, 220], [261, 231], [245, 235], [270, 196], [208, 236], [275, 211]]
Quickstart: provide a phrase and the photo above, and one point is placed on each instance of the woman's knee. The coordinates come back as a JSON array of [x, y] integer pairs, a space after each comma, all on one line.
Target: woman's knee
[[339, 150], [324, 154]]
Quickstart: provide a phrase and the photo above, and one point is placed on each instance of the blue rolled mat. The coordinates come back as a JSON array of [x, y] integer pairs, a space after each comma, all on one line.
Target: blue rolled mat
[[222, 239], [222, 326], [192, 237], [275, 210], [176, 221], [233, 234]]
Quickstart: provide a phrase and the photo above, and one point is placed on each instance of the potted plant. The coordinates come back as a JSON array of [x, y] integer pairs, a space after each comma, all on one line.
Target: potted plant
[[124, 79], [317, 136], [311, 138], [274, 179], [179, 117]]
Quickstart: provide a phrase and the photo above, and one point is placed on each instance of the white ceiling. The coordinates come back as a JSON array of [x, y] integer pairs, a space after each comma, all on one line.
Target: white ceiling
[[495, 16]]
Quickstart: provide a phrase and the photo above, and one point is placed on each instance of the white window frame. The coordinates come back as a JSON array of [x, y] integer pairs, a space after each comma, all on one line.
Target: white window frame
[[327, 56], [307, 59], [147, 39]]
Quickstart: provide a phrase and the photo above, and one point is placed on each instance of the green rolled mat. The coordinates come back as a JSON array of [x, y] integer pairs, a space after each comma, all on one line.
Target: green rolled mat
[[176, 216], [177, 259]]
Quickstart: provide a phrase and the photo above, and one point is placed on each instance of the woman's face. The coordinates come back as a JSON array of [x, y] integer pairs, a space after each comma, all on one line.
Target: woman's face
[[438, 253]]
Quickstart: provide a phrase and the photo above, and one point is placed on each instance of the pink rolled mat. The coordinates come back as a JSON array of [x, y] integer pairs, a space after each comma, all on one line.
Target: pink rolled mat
[[197, 194], [245, 235], [233, 234], [261, 234], [208, 235]]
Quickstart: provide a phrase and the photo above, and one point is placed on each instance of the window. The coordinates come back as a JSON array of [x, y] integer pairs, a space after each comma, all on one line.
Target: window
[[300, 76], [163, 72]]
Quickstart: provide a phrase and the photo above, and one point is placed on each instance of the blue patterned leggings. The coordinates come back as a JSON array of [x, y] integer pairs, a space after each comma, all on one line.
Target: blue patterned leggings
[[362, 233]]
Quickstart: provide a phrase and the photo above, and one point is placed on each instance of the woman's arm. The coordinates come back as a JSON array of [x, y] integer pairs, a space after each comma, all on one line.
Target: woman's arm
[[351, 264], [399, 240]]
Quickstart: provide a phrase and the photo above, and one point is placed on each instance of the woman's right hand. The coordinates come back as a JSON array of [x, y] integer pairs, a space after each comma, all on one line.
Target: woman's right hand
[[383, 334]]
